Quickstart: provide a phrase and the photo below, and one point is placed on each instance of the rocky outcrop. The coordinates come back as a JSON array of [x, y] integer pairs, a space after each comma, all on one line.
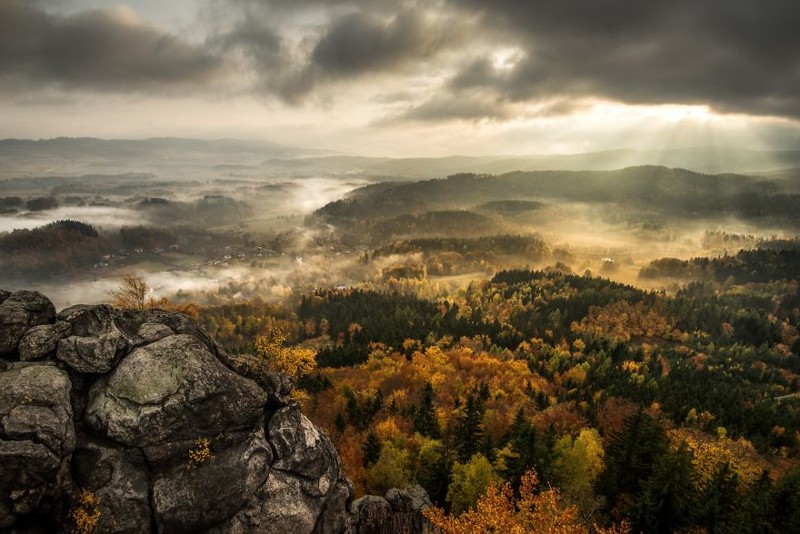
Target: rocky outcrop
[[144, 410], [147, 413]]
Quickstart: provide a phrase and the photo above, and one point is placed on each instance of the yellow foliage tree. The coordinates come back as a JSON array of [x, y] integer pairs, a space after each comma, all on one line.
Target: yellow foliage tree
[[579, 461], [275, 355], [133, 292]]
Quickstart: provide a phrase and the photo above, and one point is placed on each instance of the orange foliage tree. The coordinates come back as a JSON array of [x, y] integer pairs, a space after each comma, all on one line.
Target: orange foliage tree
[[533, 512]]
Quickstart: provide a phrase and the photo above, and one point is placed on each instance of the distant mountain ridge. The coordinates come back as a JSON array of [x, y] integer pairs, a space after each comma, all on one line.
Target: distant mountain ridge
[[75, 155], [80, 155], [699, 159]]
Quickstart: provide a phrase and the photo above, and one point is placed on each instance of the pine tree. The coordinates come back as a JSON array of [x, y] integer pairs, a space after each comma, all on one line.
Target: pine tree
[[371, 449], [425, 420], [665, 504], [719, 501], [631, 458], [470, 428]]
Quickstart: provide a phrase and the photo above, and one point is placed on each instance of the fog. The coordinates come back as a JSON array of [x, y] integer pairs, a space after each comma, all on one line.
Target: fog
[[234, 232], [101, 217]]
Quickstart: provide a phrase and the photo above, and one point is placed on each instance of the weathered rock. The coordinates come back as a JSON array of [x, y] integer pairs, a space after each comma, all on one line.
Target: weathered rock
[[20, 311], [171, 390], [414, 498], [118, 477], [303, 492], [399, 511], [152, 332], [279, 505], [87, 354], [192, 498], [334, 518], [37, 438], [303, 450], [133, 323], [4, 295], [88, 321], [372, 515], [42, 341], [143, 386], [279, 387], [27, 469]]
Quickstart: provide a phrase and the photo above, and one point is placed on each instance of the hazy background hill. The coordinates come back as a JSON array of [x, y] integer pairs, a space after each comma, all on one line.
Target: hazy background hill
[[246, 158], [68, 155], [700, 159]]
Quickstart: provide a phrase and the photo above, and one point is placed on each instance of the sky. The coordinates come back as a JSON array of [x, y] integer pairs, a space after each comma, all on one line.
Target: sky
[[407, 77]]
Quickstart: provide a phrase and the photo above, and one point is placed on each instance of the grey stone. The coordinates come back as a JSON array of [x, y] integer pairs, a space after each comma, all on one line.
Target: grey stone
[[279, 387], [87, 320], [193, 498], [93, 354], [42, 341], [334, 518], [279, 506], [152, 332], [118, 477], [300, 448], [414, 498], [372, 515], [20, 311], [37, 437], [400, 511], [171, 390], [144, 386]]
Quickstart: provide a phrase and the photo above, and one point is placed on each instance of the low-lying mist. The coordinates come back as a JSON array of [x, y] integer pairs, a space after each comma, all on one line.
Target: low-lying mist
[[101, 217], [251, 236]]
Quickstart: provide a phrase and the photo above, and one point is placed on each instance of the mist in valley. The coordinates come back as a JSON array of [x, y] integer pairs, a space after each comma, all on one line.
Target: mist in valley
[[249, 234]]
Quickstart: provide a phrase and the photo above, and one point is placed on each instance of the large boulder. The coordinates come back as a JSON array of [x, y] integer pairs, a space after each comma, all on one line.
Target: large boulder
[[20, 311], [93, 354], [42, 341], [37, 437], [173, 389]]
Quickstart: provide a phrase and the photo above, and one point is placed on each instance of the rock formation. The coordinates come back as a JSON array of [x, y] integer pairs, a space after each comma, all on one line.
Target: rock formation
[[147, 413]]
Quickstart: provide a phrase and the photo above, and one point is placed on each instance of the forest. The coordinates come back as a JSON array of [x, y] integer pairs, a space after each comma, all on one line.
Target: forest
[[662, 412]]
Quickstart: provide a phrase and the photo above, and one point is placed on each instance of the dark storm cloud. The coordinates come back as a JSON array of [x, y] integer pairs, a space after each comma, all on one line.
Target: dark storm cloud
[[734, 55], [355, 40], [94, 49], [361, 42]]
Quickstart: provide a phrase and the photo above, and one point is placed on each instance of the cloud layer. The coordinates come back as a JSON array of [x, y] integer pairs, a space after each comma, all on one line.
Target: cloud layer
[[452, 59], [107, 50]]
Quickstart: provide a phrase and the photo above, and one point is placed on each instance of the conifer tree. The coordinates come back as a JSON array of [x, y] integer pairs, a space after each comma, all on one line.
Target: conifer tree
[[425, 420]]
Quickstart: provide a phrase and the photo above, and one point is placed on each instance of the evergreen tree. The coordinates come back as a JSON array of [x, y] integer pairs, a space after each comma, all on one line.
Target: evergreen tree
[[719, 501], [469, 432], [341, 424], [631, 458], [371, 449], [667, 497], [425, 420]]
